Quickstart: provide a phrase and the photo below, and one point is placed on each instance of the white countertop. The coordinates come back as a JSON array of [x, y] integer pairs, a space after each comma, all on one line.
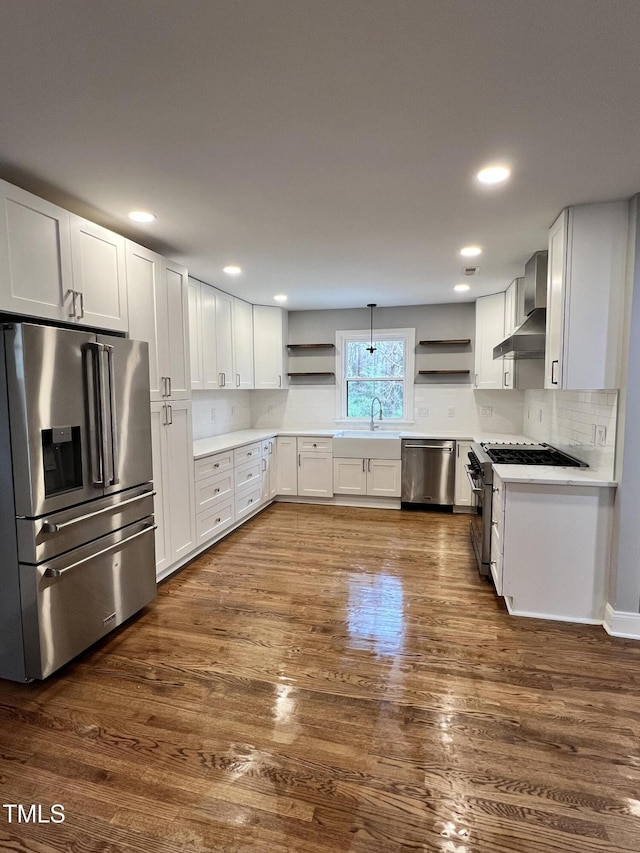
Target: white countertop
[[551, 475], [534, 474]]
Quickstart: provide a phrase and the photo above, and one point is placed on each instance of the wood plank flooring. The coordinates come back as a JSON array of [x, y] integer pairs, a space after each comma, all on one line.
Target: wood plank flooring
[[331, 680]]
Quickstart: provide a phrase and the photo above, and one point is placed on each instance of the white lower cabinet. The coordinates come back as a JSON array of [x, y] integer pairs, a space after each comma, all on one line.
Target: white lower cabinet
[[214, 495], [269, 470], [287, 465], [374, 477], [550, 547], [172, 448], [315, 467]]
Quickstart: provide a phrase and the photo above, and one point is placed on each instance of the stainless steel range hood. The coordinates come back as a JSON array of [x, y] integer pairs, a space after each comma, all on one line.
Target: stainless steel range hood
[[528, 340]]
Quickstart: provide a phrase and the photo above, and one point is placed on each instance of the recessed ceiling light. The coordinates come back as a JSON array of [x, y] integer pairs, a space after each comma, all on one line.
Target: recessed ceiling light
[[470, 251], [461, 287], [142, 216], [232, 270], [493, 174], [280, 297]]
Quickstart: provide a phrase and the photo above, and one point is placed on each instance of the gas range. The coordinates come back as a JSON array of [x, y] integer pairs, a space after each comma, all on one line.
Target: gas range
[[482, 457], [529, 454]]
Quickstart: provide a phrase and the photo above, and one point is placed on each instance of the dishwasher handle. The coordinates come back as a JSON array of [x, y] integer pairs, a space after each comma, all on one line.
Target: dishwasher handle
[[441, 448]]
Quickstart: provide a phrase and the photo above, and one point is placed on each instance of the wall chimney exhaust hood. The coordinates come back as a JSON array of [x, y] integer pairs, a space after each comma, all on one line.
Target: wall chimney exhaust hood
[[528, 340]]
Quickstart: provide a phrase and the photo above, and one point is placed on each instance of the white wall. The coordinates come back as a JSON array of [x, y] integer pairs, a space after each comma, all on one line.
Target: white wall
[[566, 419]]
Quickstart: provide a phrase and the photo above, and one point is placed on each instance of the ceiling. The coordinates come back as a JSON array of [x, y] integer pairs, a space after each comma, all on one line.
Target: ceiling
[[328, 147]]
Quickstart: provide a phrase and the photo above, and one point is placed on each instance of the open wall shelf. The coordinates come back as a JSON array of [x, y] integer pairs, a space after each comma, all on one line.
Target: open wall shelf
[[443, 372], [312, 373], [310, 346], [458, 342]]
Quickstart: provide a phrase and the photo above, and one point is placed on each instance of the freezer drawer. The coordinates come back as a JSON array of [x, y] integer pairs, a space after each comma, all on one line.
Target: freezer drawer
[[428, 471], [44, 538], [71, 601]]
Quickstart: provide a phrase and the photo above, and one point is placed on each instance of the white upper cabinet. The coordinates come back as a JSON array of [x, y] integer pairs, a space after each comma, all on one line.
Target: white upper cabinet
[[158, 309], [269, 346], [585, 291], [195, 334], [224, 339], [36, 275], [242, 331], [57, 266], [489, 332], [202, 337], [99, 276]]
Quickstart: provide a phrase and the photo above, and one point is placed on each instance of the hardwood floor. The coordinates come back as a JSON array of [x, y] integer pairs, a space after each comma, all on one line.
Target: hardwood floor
[[331, 679]]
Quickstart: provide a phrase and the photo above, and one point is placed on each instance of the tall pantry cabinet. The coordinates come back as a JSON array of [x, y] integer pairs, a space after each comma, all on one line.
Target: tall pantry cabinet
[[158, 311]]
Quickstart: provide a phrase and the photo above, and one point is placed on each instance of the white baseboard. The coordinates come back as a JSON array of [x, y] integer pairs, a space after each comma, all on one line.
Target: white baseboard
[[582, 620], [621, 624]]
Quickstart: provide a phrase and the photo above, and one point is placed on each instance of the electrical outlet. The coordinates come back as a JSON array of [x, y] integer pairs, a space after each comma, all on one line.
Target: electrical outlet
[[233, 411], [213, 413], [269, 410], [486, 411], [539, 416], [424, 412], [451, 412], [601, 436], [593, 434]]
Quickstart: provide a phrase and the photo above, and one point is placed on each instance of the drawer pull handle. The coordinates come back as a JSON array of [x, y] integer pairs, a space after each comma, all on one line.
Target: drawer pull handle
[[215, 492], [218, 520], [217, 465]]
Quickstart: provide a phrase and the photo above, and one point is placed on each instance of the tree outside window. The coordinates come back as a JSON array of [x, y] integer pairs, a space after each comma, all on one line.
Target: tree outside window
[[381, 374]]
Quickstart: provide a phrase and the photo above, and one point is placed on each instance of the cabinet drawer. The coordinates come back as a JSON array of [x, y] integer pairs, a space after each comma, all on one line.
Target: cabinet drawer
[[315, 444], [213, 489], [247, 453], [215, 519], [247, 501], [215, 464], [496, 570], [246, 475]]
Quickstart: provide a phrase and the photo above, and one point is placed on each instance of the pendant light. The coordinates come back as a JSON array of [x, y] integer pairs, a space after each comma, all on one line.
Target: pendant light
[[371, 348]]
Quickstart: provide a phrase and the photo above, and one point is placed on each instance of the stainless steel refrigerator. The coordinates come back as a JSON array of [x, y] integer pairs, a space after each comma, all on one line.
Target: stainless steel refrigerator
[[77, 553]]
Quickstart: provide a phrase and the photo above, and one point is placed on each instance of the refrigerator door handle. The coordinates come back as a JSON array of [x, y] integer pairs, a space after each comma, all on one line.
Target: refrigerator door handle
[[55, 527], [104, 402], [57, 573], [96, 444], [113, 426]]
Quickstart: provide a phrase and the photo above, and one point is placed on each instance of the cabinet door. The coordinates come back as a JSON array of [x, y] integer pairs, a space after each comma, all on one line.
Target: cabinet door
[[161, 487], [195, 335], [287, 465], [35, 257], [243, 343], [273, 469], [181, 520], [224, 340], [147, 310], [208, 332], [315, 474], [349, 476], [489, 333], [463, 496], [177, 341], [383, 477], [99, 275], [555, 303], [269, 325]]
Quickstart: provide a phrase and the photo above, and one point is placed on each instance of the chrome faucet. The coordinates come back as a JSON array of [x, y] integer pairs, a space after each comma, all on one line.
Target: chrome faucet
[[373, 426]]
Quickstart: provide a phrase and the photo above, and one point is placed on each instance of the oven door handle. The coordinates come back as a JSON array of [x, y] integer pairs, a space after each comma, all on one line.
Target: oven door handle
[[475, 489]]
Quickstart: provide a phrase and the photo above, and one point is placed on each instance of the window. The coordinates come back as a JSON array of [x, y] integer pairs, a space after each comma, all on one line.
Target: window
[[386, 373]]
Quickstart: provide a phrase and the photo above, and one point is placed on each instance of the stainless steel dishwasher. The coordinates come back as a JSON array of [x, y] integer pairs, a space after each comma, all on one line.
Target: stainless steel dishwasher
[[428, 472]]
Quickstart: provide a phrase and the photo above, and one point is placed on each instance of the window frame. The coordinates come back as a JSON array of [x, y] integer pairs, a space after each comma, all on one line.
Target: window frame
[[343, 337]]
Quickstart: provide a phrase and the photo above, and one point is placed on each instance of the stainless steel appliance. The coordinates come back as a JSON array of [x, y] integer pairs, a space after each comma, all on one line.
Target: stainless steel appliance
[[76, 501], [428, 472], [528, 340], [482, 458]]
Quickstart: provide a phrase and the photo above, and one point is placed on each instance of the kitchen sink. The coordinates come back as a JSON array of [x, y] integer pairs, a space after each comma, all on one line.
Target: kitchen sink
[[365, 444]]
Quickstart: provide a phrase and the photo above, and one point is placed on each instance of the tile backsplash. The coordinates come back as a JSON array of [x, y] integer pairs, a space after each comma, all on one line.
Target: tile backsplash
[[582, 423], [217, 412]]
